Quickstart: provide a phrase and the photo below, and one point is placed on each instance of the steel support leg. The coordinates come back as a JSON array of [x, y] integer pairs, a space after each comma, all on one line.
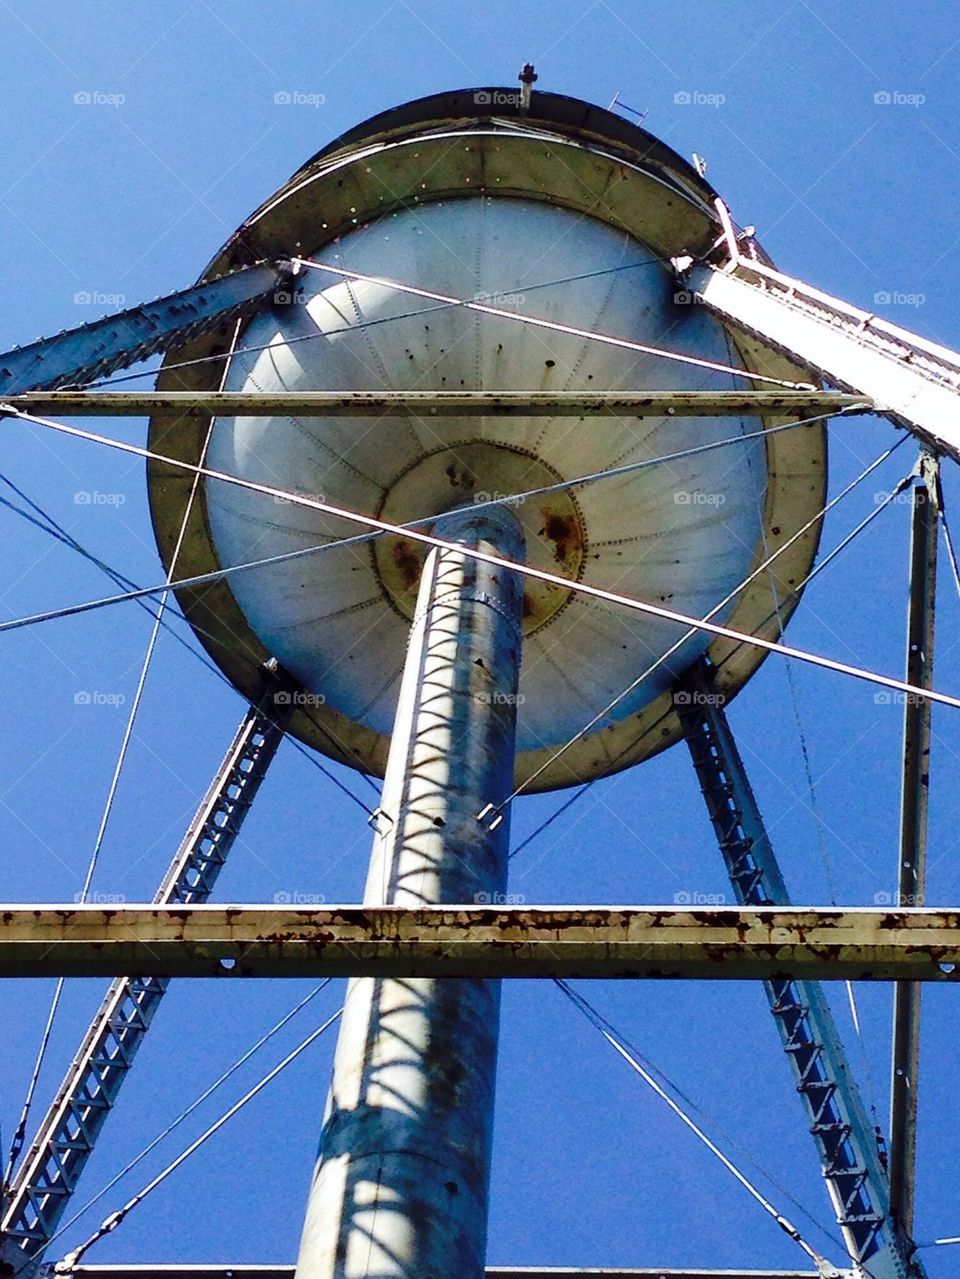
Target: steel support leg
[[845, 1139], [400, 1188], [905, 1067], [40, 1190], [117, 341], [913, 381]]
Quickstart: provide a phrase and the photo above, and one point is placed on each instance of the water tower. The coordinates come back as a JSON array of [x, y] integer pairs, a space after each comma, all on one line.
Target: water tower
[[487, 368], [456, 679]]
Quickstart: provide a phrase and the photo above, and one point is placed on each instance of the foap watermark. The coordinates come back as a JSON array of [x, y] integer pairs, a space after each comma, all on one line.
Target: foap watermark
[[496, 98], [93, 697], [296, 898], [696, 697], [97, 98], [499, 899], [887, 297], [886, 497], [696, 497], [289, 297], [897, 98], [502, 499], [86, 497], [297, 98], [96, 898], [505, 301], [899, 901], [96, 297], [282, 500], [497, 698], [683, 297], [298, 697], [687, 897], [893, 697], [697, 98]]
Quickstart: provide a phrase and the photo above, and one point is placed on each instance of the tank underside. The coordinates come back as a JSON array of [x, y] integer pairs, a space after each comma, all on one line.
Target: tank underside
[[542, 217]]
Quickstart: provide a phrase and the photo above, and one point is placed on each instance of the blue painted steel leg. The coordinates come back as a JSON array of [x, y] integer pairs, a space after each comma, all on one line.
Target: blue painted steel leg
[[846, 1140], [95, 350], [41, 1188]]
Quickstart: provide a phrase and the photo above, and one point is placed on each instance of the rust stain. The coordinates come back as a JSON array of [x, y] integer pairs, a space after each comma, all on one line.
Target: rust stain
[[407, 562], [460, 477], [562, 531]]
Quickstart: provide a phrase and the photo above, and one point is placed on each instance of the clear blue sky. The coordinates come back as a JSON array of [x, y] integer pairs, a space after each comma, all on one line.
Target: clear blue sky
[[131, 199]]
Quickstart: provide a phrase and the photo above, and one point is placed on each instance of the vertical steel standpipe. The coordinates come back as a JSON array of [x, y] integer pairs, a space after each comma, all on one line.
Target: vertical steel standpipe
[[400, 1188]]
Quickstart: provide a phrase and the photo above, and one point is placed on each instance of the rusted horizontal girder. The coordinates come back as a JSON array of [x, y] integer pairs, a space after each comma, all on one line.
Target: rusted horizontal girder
[[435, 403], [480, 941]]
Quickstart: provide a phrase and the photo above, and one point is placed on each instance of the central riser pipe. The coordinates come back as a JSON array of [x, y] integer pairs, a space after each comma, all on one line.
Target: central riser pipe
[[400, 1188]]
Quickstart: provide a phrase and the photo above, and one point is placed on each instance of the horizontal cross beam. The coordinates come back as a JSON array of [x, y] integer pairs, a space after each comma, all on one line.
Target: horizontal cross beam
[[436, 403], [492, 1272], [754, 943]]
